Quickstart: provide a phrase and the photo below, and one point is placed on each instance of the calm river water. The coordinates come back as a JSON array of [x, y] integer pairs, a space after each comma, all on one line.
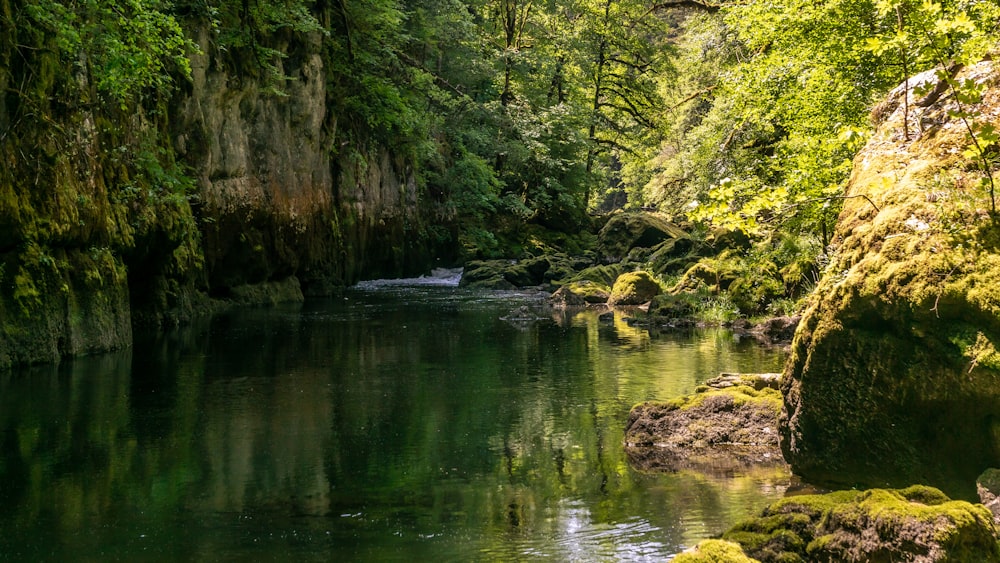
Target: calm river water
[[388, 424]]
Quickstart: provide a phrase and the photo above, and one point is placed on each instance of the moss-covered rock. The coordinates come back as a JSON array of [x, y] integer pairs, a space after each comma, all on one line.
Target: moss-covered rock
[[583, 292], [729, 426], [634, 288], [713, 274], [532, 271], [894, 371], [602, 275], [626, 231], [714, 551], [487, 274], [672, 306], [918, 523]]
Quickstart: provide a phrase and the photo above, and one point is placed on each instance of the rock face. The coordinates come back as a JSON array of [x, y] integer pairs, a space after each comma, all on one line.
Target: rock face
[[140, 214], [894, 371], [917, 524], [276, 202]]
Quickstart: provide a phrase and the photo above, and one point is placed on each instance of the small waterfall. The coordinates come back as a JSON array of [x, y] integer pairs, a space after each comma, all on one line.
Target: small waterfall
[[439, 277]]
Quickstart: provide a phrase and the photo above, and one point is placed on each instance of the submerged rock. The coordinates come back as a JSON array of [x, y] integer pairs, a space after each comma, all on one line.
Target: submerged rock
[[893, 373], [917, 524], [715, 429]]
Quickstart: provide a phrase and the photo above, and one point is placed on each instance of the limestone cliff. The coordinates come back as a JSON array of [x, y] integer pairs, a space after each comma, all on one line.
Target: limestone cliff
[[111, 215], [893, 377]]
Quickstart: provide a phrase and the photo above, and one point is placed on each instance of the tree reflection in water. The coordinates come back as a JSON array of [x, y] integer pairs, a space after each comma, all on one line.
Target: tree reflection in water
[[388, 426]]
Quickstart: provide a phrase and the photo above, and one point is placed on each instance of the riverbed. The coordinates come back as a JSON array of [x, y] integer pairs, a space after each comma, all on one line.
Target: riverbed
[[395, 422]]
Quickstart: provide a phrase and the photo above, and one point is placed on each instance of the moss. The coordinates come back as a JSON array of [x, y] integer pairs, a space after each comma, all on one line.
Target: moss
[[626, 231], [590, 292], [893, 379], [634, 288], [878, 524], [738, 395], [714, 551], [602, 275], [674, 306]]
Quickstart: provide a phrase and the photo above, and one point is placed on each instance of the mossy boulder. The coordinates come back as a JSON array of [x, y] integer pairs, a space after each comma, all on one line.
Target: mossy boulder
[[634, 288], [894, 370], [730, 426], [714, 274], [565, 298], [602, 274], [714, 551], [918, 523], [583, 292], [672, 306], [487, 274], [626, 231], [527, 272]]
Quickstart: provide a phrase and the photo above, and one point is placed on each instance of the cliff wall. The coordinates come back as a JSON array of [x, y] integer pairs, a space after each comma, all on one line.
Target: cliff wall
[[145, 211]]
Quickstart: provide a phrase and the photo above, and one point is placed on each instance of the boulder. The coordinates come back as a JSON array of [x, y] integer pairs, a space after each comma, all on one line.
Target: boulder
[[916, 524], [626, 231], [716, 428], [564, 298], [671, 306], [777, 330], [586, 291], [487, 274], [894, 370], [634, 288]]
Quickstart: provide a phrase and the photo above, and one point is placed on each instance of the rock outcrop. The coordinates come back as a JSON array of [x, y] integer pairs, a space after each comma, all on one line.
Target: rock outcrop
[[729, 423], [918, 524], [894, 371], [114, 214]]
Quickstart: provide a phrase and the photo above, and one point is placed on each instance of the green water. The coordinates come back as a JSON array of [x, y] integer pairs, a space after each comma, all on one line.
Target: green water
[[391, 425]]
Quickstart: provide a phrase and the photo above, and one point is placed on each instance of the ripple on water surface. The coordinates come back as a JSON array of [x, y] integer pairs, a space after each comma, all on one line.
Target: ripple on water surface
[[391, 423]]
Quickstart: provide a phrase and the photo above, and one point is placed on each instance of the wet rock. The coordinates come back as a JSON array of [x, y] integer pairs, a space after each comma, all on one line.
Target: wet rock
[[486, 274], [634, 288], [988, 488], [777, 331], [917, 524], [287, 290], [714, 429], [674, 306], [565, 298]]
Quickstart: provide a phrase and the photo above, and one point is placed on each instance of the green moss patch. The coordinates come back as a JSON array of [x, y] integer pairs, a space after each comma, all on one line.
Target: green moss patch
[[918, 523], [714, 551], [634, 288]]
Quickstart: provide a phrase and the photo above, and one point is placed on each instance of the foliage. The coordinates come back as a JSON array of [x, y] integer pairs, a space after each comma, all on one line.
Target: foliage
[[124, 48]]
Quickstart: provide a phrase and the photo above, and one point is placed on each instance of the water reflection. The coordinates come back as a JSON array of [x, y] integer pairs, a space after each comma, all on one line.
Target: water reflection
[[387, 425]]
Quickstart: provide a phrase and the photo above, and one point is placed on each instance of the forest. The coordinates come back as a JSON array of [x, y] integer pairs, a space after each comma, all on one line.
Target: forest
[[192, 190], [518, 121]]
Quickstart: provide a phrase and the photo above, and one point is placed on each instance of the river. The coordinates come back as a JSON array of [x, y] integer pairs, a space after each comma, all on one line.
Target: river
[[393, 423]]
